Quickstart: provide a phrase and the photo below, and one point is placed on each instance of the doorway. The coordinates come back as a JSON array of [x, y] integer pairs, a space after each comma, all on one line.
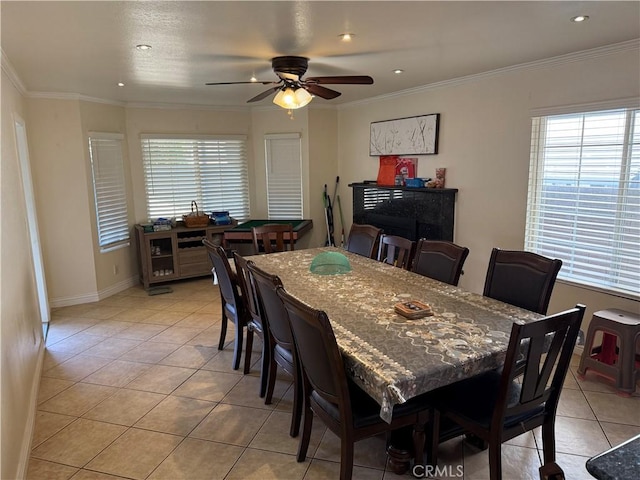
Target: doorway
[[32, 222]]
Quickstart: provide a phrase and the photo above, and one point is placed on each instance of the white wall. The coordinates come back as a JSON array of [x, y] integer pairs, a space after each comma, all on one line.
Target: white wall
[[484, 144], [63, 199], [20, 322], [116, 269]]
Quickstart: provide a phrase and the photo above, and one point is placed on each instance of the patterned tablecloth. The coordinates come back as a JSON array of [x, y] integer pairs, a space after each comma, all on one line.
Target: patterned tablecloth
[[390, 357]]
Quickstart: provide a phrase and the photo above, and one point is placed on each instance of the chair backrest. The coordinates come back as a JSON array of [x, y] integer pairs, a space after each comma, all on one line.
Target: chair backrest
[[523, 279], [226, 281], [542, 370], [317, 352], [363, 240], [273, 237], [274, 316], [440, 260], [245, 282], [396, 251]]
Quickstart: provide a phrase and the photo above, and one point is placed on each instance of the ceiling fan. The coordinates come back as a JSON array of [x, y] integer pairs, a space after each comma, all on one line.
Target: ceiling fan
[[294, 92]]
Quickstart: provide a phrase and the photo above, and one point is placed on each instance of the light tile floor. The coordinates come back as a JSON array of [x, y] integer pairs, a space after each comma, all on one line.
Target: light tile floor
[[134, 387]]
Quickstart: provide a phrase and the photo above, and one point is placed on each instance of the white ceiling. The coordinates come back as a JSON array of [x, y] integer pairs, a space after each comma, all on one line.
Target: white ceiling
[[85, 48]]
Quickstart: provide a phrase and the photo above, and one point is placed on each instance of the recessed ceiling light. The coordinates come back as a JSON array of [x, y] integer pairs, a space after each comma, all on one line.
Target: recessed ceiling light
[[580, 18], [398, 71], [120, 84], [346, 37], [143, 47]]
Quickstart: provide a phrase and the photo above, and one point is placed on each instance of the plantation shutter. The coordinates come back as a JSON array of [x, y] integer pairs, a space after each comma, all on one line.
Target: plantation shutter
[[105, 151], [584, 197], [284, 176], [212, 170]]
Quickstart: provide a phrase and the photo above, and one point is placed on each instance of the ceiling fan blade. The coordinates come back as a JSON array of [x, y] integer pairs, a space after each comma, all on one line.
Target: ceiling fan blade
[[322, 92], [239, 83], [344, 80], [262, 95]]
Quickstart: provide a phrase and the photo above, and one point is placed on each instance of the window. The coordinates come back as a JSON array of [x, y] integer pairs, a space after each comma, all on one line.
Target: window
[[211, 170], [284, 176], [584, 197], [105, 151]]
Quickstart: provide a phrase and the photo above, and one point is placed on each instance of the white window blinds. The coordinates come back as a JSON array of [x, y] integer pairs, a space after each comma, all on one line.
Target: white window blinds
[[284, 176], [105, 151], [584, 197], [211, 170]]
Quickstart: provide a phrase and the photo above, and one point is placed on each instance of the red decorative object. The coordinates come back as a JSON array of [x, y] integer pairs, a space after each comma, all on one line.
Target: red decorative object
[[387, 170], [392, 167]]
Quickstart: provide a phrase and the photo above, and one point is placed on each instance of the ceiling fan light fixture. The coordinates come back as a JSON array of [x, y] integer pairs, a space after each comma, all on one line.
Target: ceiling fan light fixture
[[292, 99], [303, 97]]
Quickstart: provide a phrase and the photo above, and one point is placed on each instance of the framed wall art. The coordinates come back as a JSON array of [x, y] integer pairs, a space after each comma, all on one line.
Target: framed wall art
[[405, 136]]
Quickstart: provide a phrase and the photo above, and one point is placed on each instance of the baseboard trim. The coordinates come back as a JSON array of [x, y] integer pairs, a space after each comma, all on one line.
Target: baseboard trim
[[94, 296], [25, 451]]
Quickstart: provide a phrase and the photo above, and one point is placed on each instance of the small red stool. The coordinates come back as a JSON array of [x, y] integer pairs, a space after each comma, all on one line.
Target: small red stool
[[616, 358]]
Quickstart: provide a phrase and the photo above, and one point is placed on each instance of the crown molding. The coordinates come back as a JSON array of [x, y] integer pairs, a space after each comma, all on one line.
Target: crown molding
[[186, 106], [579, 56], [73, 96], [8, 68]]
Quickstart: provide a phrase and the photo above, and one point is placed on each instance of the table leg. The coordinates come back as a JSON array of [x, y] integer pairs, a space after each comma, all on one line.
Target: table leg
[[400, 450]]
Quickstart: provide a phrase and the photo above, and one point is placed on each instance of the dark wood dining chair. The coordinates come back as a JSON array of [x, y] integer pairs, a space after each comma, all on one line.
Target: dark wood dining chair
[[396, 251], [233, 307], [280, 341], [347, 410], [273, 237], [524, 279], [440, 260], [502, 404], [254, 321], [363, 240]]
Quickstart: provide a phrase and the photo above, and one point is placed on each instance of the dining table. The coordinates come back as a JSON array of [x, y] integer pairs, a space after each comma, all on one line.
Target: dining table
[[391, 357]]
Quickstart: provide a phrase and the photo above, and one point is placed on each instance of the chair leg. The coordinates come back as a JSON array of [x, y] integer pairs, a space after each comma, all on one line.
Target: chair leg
[[271, 382], [549, 442], [551, 471], [264, 368], [223, 331], [223, 324], [346, 459], [303, 446], [237, 349], [296, 414], [495, 461], [248, 350]]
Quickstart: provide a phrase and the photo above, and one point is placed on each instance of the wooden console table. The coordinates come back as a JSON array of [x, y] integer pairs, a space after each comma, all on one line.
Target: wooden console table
[[174, 254]]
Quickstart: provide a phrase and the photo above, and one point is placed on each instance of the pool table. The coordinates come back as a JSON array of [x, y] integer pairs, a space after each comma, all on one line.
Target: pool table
[[242, 231]]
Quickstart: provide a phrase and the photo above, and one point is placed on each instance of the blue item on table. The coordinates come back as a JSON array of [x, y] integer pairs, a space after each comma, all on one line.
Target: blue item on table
[[220, 218]]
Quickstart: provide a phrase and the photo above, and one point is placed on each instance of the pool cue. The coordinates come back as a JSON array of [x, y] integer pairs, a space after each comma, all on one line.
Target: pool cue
[[332, 243], [341, 222], [325, 199]]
